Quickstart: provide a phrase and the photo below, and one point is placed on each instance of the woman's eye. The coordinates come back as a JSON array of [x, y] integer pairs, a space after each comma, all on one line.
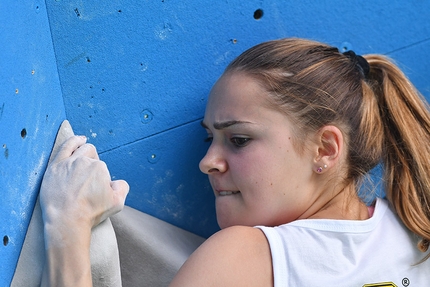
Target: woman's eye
[[209, 139], [240, 142]]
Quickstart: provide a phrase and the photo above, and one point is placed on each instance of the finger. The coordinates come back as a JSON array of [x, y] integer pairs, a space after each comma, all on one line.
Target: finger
[[87, 150], [121, 189], [69, 147]]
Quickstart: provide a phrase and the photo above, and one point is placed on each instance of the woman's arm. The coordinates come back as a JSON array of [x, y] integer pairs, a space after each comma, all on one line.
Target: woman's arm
[[76, 194], [235, 256]]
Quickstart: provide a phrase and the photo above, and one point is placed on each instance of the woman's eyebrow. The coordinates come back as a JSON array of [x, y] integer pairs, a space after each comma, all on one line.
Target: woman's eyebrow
[[223, 125]]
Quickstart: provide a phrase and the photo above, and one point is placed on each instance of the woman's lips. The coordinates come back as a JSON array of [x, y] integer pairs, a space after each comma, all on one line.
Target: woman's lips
[[224, 193]]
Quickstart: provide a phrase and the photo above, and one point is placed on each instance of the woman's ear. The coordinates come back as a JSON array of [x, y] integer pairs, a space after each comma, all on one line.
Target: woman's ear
[[329, 147]]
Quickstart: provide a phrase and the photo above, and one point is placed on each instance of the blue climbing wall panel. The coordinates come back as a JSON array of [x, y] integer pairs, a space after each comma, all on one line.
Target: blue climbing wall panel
[[31, 110], [133, 76]]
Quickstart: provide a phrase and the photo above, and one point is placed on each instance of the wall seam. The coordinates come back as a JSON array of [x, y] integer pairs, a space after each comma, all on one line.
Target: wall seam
[[55, 57]]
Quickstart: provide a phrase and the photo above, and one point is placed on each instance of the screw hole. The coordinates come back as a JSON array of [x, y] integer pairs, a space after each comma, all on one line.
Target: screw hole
[[23, 133], [346, 46], [146, 116], [153, 157], [258, 14], [5, 240], [78, 14]]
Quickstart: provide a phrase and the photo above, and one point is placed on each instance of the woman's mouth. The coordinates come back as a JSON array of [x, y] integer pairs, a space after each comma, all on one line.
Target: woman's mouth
[[224, 193]]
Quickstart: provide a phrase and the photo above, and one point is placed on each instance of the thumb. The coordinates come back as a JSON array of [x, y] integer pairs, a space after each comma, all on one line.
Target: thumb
[[121, 189]]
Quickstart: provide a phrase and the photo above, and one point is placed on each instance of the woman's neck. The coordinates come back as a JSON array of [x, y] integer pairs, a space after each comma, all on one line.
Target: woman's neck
[[344, 205]]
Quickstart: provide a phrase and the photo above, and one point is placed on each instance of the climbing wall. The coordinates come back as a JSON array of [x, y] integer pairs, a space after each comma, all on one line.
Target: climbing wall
[[133, 76], [31, 110]]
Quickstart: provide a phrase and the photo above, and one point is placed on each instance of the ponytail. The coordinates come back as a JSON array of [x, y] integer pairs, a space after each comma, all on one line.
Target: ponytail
[[406, 145]]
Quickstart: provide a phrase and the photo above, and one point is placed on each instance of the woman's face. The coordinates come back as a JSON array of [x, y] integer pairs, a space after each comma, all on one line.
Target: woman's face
[[257, 176]]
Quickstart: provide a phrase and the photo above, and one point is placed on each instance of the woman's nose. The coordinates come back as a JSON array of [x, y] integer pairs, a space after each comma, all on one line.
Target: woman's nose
[[213, 161]]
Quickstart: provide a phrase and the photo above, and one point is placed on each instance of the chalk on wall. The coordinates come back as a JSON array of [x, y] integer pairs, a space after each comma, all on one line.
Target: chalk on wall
[[31, 109]]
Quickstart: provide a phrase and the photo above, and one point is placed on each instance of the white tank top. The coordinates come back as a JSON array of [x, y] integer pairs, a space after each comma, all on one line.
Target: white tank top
[[379, 251]]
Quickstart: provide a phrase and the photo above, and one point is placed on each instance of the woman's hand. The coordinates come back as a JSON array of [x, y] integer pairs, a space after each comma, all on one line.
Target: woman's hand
[[76, 194], [77, 187]]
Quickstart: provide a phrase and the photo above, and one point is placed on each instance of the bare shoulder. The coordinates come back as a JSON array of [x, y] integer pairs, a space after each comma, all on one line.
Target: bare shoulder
[[235, 256]]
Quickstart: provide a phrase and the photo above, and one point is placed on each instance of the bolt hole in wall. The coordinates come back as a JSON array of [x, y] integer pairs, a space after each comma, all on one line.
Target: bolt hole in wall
[[6, 151], [258, 14], [5, 240], [23, 133], [346, 46]]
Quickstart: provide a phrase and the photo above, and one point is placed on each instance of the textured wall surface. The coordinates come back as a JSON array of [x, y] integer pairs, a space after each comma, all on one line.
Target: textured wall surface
[[133, 76], [31, 110]]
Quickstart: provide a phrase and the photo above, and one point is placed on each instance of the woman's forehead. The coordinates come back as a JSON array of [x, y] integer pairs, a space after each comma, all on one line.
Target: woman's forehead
[[237, 88]]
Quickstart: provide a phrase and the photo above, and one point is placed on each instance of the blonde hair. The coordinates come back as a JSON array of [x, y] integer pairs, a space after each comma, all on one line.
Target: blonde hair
[[383, 117]]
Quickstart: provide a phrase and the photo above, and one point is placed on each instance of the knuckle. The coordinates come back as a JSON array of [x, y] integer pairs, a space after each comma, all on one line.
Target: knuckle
[[80, 161], [101, 164], [90, 148], [100, 167]]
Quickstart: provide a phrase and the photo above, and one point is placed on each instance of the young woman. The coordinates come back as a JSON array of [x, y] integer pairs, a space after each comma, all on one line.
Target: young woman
[[295, 126]]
